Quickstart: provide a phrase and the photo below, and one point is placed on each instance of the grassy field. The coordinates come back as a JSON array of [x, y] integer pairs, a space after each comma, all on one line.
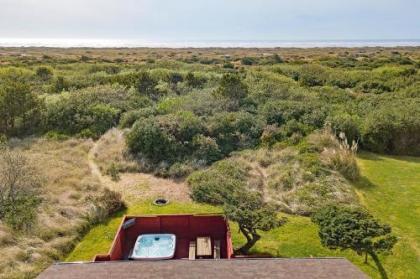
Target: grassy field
[[389, 188]]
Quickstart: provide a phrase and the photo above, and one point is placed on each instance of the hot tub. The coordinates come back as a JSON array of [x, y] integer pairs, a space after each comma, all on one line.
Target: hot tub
[[154, 247]]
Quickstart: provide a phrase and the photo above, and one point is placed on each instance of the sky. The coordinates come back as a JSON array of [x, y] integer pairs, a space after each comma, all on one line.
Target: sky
[[166, 20]]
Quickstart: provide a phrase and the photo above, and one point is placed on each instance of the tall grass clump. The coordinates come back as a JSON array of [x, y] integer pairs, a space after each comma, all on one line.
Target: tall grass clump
[[338, 154]]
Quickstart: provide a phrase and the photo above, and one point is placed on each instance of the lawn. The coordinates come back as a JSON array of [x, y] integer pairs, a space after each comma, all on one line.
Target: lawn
[[298, 238], [99, 238], [389, 188]]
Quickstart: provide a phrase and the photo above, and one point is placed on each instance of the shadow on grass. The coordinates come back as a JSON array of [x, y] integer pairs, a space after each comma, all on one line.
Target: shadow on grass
[[378, 157], [369, 156], [364, 183], [406, 159], [380, 267]]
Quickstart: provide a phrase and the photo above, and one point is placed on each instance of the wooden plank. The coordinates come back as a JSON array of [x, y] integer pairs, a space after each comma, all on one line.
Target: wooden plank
[[192, 250], [203, 246], [216, 251]]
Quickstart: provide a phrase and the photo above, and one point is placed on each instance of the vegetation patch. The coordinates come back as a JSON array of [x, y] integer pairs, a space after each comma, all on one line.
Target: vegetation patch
[[296, 179]]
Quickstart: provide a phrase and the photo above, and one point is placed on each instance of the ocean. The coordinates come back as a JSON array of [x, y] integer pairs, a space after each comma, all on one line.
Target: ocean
[[132, 43]]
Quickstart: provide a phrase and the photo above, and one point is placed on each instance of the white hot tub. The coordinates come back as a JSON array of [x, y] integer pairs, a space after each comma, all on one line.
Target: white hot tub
[[154, 247]]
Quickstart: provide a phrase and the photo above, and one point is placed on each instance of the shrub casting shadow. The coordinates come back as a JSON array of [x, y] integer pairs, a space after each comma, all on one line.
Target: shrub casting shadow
[[379, 265]]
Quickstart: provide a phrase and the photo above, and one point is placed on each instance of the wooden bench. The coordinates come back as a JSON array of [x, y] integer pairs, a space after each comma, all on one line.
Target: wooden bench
[[204, 246]]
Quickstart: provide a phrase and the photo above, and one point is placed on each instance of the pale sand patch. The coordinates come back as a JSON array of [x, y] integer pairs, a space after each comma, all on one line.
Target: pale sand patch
[[133, 186]]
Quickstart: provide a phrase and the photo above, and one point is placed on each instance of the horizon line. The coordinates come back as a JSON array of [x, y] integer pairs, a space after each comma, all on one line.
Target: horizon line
[[201, 43]]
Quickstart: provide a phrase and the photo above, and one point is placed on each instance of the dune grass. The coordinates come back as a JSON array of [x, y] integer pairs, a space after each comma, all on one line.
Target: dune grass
[[389, 187]]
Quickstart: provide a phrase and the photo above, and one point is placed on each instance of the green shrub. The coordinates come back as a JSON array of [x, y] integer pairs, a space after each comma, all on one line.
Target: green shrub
[[44, 73], [248, 61], [373, 86], [146, 85], [19, 190], [86, 134], [228, 65], [164, 138], [313, 75], [114, 172], [393, 130], [350, 228], [105, 205], [280, 112], [103, 117], [20, 109], [206, 149], [3, 140], [179, 170], [20, 214], [217, 183], [235, 130], [194, 81], [347, 124], [54, 135], [233, 89], [130, 117], [95, 109], [60, 84]]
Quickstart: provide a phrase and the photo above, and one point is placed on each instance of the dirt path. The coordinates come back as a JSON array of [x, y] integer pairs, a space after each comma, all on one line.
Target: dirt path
[[133, 186], [94, 168]]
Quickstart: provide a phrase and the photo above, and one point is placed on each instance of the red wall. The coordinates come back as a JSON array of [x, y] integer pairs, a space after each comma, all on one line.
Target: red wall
[[185, 227]]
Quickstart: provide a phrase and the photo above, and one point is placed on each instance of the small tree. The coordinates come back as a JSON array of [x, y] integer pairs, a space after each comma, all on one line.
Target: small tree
[[232, 87], [19, 190], [194, 81], [19, 108], [147, 85], [60, 84], [313, 75], [251, 213], [346, 228], [44, 73]]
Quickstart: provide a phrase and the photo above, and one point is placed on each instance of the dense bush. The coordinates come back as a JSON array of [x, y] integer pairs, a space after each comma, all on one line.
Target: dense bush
[[95, 109], [248, 61], [235, 130], [194, 81], [19, 190], [130, 117], [206, 149], [347, 124], [105, 205], [216, 184], [313, 75], [20, 110], [44, 73], [146, 85], [233, 89], [280, 112], [166, 138], [393, 130]]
